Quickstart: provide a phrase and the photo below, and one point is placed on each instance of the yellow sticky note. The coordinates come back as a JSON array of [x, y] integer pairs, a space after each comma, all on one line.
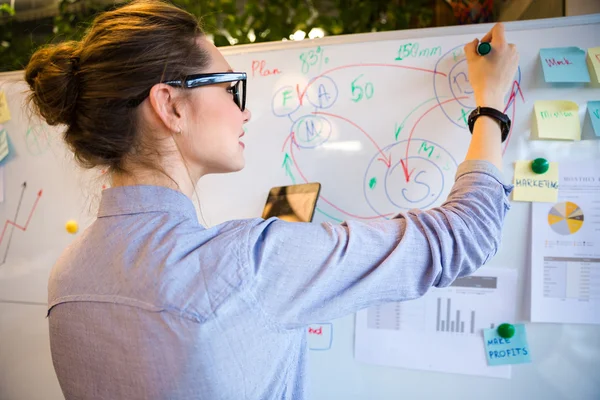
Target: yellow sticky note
[[593, 64], [556, 120], [4, 111], [530, 186]]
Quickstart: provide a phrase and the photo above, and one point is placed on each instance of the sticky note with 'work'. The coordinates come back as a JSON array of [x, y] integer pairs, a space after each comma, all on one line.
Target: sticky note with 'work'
[[564, 65]]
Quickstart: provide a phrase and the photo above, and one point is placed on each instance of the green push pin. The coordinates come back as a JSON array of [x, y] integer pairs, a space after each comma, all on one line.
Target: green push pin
[[506, 331], [540, 165]]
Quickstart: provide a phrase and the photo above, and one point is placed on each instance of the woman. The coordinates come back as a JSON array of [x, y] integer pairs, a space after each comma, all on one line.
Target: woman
[[147, 303]]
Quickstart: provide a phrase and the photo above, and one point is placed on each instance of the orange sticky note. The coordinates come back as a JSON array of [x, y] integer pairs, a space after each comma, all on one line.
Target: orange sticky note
[[4, 111], [556, 120]]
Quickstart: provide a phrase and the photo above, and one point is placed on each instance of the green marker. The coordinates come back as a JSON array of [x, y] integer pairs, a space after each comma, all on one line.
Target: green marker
[[484, 48]]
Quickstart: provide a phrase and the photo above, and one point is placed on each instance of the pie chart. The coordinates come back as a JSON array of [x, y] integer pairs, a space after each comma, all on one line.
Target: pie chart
[[565, 218]]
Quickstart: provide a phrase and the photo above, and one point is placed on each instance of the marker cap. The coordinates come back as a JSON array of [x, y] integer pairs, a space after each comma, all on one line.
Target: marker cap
[[484, 48]]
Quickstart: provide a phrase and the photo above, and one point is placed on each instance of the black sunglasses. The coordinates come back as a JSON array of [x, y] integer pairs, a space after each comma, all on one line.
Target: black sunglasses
[[238, 90]]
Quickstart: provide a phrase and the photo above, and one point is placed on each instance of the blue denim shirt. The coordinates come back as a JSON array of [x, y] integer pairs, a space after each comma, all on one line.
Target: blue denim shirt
[[148, 304]]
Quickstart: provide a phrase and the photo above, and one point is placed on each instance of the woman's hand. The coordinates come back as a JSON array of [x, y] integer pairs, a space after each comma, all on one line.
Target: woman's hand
[[491, 76]]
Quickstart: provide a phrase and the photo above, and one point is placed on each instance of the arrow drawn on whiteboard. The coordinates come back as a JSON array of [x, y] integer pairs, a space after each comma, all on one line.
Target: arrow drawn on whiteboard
[[386, 159], [324, 199], [512, 100], [404, 162], [287, 164], [13, 224], [12, 228]]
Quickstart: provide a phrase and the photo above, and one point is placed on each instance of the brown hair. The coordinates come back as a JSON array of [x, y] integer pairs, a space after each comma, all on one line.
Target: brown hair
[[90, 86]]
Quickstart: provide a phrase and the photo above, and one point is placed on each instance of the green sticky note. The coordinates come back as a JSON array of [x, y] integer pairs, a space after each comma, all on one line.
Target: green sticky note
[[594, 113], [564, 64], [501, 351]]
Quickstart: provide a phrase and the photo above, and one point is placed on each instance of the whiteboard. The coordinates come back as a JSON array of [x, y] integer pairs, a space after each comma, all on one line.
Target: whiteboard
[[357, 113]]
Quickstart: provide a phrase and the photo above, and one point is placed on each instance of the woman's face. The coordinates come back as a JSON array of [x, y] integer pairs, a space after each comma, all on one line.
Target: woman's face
[[213, 125]]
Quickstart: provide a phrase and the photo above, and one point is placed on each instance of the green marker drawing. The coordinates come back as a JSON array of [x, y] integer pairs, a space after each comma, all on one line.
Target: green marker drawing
[[287, 94], [287, 164], [372, 183], [464, 116], [398, 129], [410, 113], [426, 149]]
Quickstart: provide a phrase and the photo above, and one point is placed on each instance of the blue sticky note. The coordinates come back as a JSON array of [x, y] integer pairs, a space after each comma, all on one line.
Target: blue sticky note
[[594, 113], [500, 351], [564, 64], [6, 148]]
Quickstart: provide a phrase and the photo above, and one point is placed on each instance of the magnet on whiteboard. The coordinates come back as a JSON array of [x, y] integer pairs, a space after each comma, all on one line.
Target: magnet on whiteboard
[[540, 165], [72, 226], [506, 331]]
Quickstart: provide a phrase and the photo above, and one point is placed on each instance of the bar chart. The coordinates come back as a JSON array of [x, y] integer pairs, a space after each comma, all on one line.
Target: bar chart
[[448, 316], [446, 324], [455, 325]]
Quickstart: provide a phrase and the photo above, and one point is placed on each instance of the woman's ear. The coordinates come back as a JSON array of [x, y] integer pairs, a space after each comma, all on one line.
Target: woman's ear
[[163, 102]]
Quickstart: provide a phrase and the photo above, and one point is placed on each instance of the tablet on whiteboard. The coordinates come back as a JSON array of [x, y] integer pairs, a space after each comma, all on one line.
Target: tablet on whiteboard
[[293, 203]]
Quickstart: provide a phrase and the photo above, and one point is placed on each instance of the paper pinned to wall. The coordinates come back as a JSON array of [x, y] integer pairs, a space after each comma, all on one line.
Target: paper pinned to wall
[[556, 120], [530, 186], [565, 249], [564, 64], [441, 331], [501, 351], [593, 64], [4, 111]]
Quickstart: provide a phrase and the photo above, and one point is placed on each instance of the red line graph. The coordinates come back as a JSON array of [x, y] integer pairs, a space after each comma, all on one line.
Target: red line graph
[[14, 223]]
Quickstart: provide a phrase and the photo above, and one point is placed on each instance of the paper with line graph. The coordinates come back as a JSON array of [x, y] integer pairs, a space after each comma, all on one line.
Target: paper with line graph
[[443, 330]]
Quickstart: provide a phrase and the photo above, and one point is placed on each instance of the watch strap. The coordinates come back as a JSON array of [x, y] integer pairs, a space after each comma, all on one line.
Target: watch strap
[[502, 119]]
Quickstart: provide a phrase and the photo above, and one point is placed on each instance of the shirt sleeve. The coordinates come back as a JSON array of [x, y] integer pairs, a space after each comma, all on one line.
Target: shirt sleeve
[[304, 273]]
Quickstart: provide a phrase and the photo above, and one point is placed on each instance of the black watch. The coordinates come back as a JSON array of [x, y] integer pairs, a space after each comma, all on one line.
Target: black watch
[[502, 119]]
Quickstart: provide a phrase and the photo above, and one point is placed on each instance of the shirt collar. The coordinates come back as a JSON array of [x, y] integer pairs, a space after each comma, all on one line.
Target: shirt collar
[[138, 199]]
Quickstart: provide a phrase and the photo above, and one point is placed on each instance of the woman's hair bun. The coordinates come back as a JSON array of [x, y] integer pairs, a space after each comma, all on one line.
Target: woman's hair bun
[[52, 77]]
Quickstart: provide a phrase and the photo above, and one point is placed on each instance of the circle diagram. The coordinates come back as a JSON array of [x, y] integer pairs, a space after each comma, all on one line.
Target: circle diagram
[[565, 218], [428, 165]]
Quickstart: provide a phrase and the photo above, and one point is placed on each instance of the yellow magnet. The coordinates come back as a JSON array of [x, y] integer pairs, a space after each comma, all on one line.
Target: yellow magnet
[[72, 226]]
